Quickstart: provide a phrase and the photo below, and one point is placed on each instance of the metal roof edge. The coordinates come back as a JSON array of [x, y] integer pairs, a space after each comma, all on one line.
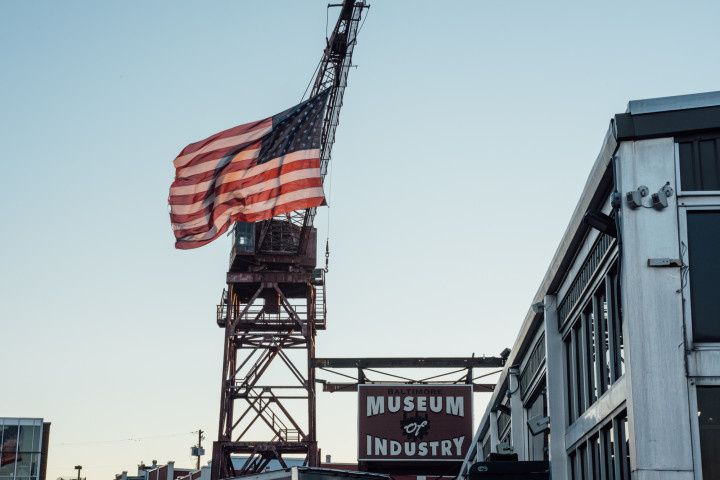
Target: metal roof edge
[[675, 102], [340, 471], [666, 123]]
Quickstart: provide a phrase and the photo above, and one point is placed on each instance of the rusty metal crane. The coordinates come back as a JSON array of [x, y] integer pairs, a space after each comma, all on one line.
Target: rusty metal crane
[[273, 306]]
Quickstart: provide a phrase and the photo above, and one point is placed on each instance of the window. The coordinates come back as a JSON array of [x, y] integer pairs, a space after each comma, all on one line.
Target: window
[[570, 373], [700, 163], [8, 444], [485, 448], [533, 365], [604, 453], [244, 237], [20, 445], [503, 425], [537, 444], [703, 238], [594, 347], [708, 399]]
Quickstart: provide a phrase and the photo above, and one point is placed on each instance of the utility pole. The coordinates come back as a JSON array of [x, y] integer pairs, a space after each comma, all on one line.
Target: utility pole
[[198, 451], [78, 468]]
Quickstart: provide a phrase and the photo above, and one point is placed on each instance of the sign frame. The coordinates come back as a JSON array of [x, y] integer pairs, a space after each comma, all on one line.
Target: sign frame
[[469, 413]]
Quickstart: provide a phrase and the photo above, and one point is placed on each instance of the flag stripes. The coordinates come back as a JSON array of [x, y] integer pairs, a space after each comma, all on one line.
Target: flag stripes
[[247, 173]]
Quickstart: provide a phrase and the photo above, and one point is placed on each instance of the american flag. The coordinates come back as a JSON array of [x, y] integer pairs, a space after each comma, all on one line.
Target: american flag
[[248, 173]]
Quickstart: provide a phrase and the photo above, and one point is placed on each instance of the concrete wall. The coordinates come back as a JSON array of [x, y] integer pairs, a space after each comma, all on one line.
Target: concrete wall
[[658, 406]]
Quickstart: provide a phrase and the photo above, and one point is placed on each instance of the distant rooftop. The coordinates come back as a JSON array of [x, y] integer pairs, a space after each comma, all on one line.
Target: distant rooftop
[[677, 102]]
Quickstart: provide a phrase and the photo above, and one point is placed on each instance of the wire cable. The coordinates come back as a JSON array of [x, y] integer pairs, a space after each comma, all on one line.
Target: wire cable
[[130, 439], [487, 374]]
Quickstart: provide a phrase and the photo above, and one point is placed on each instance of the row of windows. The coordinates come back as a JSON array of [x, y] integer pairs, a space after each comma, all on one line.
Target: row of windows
[[584, 276], [532, 366], [594, 348], [604, 455], [23, 438]]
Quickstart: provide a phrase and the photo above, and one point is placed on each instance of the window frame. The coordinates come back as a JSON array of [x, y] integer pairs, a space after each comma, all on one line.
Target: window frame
[[537, 390], [695, 421], [602, 432], [686, 289], [678, 184], [688, 201]]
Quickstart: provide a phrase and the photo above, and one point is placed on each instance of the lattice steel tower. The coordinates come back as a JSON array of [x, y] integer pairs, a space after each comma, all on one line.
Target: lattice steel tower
[[273, 306]]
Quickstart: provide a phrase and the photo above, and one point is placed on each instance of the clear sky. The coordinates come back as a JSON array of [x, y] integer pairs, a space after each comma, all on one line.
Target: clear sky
[[468, 130]]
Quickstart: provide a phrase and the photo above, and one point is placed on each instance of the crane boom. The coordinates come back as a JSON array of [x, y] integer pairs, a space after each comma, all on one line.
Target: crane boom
[[288, 235]]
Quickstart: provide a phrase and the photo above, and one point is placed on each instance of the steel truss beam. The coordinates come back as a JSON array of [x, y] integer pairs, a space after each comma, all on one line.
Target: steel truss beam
[[460, 365], [411, 362], [259, 334]]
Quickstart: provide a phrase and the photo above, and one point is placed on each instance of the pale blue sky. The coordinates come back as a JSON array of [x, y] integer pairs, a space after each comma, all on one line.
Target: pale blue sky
[[467, 133]]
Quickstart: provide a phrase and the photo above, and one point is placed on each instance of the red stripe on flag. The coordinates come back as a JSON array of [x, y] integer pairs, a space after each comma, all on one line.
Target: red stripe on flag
[[240, 201], [185, 157], [257, 217], [220, 187]]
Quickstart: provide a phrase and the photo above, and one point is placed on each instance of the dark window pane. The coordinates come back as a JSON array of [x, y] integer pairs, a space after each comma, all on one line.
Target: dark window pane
[[29, 438], [8, 451], [617, 319], [612, 450], [589, 320], [626, 463], [604, 339], [569, 378], [579, 370], [708, 399], [583, 462], [687, 170], [709, 164], [700, 164], [606, 446], [704, 251], [24, 464], [595, 457]]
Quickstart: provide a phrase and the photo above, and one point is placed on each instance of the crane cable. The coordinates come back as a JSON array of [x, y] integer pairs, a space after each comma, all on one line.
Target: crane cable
[[330, 166], [327, 236]]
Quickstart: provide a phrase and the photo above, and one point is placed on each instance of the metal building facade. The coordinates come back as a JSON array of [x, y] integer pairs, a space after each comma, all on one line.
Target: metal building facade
[[620, 353]]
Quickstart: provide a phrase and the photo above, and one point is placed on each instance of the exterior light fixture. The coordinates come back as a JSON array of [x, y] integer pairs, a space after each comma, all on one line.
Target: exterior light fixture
[[505, 354], [601, 222], [538, 307], [503, 408], [634, 198], [660, 199]]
